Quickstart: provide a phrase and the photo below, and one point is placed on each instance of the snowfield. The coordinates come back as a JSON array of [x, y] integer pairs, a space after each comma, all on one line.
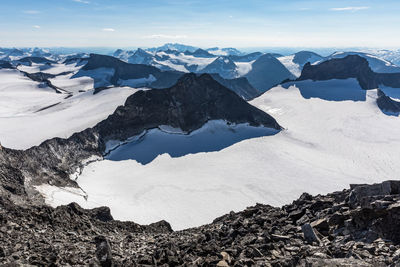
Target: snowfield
[[20, 96], [20, 113], [326, 145]]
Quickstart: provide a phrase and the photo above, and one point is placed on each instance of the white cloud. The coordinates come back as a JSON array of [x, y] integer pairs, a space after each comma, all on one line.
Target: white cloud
[[350, 8], [31, 12], [108, 30], [165, 36], [36, 26], [82, 1]]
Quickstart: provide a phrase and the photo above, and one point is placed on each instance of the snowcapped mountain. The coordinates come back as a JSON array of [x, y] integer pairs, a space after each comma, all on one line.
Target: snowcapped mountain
[[123, 54], [295, 63], [224, 51], [389, 55], [267, 72], [377, 64], [200, 53], [173, 46], [224, 66], [141, 57]]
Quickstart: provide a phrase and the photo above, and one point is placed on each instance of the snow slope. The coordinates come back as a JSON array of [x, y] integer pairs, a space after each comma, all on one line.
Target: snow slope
[[294, 65], [326, 145], [20, 95], [51, 69], [377, 64], [71, 115]]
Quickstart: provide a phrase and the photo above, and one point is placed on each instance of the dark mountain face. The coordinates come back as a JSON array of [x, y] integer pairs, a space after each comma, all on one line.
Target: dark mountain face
[[352, 66], [187, 105], [141, 57], [5, 65], [388, 105], [240, 86], [37, 60], [224, 66], [200, 53], [14, 52], [267, 72], [126, 71]]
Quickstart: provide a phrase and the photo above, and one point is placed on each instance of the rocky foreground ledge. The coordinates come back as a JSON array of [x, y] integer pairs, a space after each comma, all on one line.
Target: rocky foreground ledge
[[359, 226]]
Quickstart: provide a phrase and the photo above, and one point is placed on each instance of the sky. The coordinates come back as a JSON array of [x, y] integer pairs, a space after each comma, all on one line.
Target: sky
[[203, 23]]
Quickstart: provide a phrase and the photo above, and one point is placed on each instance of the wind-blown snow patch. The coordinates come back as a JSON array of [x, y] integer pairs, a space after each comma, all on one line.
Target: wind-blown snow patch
[[244, 67]]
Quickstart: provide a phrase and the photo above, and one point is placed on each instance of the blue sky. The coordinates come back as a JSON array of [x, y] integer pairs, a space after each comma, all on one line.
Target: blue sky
[[205, 23]]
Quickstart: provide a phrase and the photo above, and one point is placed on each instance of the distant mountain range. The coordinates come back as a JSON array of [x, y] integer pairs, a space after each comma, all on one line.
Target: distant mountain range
[[247, 74]]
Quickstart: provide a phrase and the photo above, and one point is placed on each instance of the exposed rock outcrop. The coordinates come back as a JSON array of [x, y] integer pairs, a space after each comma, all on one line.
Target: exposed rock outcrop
[[240, 86], [188, 105], [352, 66], [356, 227], [388, 105]]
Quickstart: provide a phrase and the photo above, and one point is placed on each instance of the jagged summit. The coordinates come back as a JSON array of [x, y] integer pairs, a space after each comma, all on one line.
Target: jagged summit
[[187, 105], [224, 66]]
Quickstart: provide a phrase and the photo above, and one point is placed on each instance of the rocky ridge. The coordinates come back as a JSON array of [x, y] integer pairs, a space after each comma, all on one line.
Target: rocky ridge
[[354, 227], [351, 66]]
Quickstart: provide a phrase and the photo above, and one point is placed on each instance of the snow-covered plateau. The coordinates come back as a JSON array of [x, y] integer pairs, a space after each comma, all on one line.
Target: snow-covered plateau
[[327, 144], [31, 112]]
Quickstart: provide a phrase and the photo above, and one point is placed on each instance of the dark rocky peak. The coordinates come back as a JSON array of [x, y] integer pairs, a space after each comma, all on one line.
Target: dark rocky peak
[[141, 57], [387, 104], [75, 60], [5, 65], [96, 61], [37, 60], [240, 86], [266, 72], [187, 105], [351, 66], [15, 52], [222, 65], [118, 52], [141, 51], [200, 53]]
